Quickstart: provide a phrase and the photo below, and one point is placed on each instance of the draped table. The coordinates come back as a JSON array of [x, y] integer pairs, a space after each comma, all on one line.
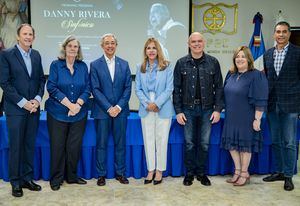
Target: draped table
[[219, 162]]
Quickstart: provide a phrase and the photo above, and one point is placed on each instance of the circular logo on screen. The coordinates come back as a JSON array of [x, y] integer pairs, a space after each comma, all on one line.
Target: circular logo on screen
[[214, 18]]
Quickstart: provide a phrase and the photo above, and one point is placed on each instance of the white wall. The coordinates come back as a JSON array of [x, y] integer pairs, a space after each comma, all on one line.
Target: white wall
[[246, 11]]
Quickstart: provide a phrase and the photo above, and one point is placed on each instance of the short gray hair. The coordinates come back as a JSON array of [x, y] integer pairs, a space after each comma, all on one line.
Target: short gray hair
[[107, 35]]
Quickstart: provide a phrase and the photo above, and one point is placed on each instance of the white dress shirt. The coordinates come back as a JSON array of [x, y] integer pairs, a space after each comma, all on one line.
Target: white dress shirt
[[111, 66]]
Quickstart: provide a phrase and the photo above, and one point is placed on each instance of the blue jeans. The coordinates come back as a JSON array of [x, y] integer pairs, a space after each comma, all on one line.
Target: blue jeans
[[283, 128], [116, 126], [196, 135]]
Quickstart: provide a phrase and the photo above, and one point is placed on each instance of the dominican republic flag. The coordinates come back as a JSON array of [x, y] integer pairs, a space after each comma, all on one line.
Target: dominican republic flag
[[257, 45]]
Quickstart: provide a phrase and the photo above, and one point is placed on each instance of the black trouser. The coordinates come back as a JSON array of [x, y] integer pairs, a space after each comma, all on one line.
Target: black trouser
[[65, 147], [22, 134]]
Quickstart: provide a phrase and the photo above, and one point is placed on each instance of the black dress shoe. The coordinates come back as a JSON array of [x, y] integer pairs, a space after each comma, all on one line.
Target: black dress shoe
[[274, 177], [32, 186], [288, 184], [122, 179], [17, 191], [55, 187], [188, 180], [79, 181], [204, 180], [101, 181]]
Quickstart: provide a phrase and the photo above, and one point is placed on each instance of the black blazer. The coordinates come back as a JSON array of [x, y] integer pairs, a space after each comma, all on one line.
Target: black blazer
[[16, 82], [284, 89]]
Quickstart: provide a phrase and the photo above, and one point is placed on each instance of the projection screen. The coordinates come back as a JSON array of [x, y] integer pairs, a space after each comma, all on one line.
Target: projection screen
[[132, 21]]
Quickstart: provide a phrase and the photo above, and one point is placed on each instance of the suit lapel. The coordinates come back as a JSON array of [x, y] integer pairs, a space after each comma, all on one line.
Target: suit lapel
[[32, 64], [117, 69], [286, 59], [271, 54], [144, 82], [105, 69], [20, 59], [158, 76]]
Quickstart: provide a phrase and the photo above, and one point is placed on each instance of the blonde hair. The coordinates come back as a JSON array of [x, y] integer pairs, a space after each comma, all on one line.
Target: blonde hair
[[162, 62], [62, 55], [248, 56]]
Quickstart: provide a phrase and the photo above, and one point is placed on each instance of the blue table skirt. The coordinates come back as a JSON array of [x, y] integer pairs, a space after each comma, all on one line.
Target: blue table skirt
[[219, 162]]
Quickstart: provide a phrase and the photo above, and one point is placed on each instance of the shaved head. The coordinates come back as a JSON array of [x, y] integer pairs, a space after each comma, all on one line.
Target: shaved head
[[196, 34]]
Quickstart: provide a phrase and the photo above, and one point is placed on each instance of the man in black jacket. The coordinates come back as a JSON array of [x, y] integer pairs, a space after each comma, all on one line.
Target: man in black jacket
[[282, 66], [198, 101]]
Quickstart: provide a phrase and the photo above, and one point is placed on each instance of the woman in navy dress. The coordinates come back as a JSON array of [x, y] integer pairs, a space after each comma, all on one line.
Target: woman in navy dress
[[246, 94], [69, 89]]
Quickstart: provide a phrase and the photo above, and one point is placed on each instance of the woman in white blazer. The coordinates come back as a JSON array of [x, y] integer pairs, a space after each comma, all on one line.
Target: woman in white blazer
[[154, 87]]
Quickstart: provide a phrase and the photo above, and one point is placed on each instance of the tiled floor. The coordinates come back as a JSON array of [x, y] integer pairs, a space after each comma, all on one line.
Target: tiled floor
[[170, 192]]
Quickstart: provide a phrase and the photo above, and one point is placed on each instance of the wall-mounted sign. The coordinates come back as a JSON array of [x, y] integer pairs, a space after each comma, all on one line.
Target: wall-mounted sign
[[215, 18]]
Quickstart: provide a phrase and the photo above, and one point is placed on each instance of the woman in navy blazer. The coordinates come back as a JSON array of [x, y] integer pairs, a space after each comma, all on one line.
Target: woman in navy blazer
[[69, 90], [154, 87]]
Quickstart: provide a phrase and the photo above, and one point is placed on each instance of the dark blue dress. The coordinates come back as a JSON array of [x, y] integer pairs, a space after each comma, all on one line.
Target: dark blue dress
[[243, 94]]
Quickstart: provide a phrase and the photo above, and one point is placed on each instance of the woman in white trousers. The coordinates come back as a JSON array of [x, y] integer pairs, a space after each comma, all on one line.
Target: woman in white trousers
[[154, 87]]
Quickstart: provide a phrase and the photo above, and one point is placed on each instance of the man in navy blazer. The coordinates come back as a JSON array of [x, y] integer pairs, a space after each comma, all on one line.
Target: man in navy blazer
[[111, 88], [282, 66], [22, 80]]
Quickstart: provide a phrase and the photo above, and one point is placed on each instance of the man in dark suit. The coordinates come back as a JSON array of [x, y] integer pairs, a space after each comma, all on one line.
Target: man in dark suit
[[282, 66], [22, 80], [111, 88]]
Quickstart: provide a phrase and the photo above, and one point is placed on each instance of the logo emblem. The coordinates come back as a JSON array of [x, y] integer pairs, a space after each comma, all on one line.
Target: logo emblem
[[214, 19]]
